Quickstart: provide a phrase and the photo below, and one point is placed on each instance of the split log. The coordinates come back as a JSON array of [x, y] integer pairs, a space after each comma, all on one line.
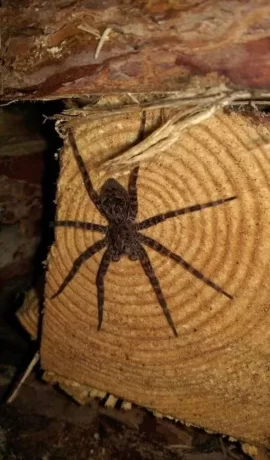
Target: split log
[[58, 49], [215, 374]]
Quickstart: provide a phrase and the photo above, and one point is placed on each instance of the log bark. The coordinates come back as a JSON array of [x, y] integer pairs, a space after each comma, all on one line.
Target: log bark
[[49, 49], [21, 173], [216, 373]]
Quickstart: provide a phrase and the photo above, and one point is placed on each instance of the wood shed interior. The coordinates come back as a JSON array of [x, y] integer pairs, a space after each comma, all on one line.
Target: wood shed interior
[[145, 337]]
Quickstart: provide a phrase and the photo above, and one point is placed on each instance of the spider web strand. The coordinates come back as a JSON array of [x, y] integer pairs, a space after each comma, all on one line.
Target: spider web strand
[[151, 221], [149, 271], [166, 252], [78, 262]]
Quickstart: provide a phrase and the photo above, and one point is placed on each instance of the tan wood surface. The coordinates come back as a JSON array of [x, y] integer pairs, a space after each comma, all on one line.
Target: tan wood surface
[[216, 373]]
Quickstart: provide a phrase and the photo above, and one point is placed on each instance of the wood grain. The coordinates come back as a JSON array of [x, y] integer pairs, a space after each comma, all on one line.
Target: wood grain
[[49, 48], [216, 373]]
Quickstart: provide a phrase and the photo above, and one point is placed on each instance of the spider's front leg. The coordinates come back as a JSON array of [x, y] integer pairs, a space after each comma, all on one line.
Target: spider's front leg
[[93, 195], [132, 184], [154, 220], [132, 191]]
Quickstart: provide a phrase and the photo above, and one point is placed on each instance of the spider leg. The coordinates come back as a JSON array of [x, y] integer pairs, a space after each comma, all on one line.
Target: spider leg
[[166, 252], [149, 271], [177, 212], [93, 195], [132, 184], [142, 127], [78, 262], [79, 224], [103, 268], [132, 191]]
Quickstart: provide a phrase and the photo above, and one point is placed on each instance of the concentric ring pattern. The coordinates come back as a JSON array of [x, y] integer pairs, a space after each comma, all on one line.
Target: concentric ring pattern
[[223, 157]]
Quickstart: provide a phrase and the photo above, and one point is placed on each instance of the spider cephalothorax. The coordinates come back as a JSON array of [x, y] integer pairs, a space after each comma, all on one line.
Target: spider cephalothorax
[[114, 201], [122, 235]]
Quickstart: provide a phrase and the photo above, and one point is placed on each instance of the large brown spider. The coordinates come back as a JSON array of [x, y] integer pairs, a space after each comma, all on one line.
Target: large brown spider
[[122, 237]]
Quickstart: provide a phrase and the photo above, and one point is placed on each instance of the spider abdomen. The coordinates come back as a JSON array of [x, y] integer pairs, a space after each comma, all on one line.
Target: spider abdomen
[[122, 240]]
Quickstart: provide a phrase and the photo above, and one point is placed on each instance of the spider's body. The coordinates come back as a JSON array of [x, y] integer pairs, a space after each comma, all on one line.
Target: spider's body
[[122, 241], [115, 203], [122, 235]]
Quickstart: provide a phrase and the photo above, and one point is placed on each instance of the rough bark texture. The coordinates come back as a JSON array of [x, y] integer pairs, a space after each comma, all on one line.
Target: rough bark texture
[[48, 48], [21, 174], [216, 373]]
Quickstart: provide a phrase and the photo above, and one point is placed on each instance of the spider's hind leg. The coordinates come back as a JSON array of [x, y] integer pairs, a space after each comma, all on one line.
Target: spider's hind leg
[[149, 271], [103, 268], [158, 247]]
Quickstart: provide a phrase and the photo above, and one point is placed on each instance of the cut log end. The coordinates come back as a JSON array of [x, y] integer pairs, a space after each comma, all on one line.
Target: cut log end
[[216, 372]]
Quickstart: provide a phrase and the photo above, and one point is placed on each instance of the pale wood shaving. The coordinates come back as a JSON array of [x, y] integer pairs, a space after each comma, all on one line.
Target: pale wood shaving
[[102, 40], [27, 372], [111, 401], [89, 29], [133, 98], [126, 405], [95, 393]]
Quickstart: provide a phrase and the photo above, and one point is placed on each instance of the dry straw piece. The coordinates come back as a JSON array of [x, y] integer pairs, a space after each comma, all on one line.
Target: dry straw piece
[[188, 111], [220, 357], [163, 138]]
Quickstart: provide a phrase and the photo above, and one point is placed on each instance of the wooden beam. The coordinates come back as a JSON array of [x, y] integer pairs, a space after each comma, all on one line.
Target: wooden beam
[[64, 49]]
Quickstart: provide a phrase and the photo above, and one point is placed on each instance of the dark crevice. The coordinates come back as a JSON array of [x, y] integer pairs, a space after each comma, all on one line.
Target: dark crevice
[[16, 347]]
